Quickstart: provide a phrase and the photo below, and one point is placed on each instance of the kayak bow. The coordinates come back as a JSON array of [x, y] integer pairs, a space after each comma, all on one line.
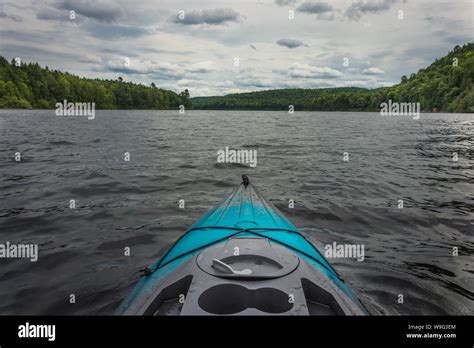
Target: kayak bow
[[242, 257]]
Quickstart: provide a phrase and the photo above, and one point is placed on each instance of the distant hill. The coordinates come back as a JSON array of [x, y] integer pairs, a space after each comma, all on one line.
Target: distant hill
[[31, 86], [440, 87]]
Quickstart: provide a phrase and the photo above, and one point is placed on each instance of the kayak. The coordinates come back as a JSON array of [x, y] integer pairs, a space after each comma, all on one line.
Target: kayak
[[242, 258]]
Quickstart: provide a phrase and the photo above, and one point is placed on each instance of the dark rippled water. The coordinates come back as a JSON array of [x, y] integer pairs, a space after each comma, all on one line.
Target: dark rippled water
[[118, 204]]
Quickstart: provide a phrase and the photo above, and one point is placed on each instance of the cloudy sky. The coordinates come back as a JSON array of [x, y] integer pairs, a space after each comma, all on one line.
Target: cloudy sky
[[221, 47]]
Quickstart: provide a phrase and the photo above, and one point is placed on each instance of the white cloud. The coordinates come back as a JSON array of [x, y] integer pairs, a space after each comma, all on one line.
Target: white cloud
[[373, 71], [306, 71]]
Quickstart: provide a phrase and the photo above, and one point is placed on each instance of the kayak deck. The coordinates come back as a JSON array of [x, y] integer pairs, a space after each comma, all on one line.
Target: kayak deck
[[244, 233]]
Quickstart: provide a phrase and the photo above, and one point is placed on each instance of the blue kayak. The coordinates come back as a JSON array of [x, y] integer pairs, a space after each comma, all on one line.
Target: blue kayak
[[242, 258]]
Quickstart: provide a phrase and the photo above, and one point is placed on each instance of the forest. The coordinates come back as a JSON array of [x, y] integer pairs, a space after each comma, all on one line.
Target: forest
[[28, 85], [446, 85]]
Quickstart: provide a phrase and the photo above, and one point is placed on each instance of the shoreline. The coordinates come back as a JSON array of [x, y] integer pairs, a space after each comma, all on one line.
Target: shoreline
[[255, 110]]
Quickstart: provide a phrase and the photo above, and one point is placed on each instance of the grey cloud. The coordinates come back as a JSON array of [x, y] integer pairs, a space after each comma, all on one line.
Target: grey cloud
[[428, 54], [284, 2], [332, 44], [90, 59], [458, 39], [380, 54], [211, 17], [156, 50], [164, 74], [323, 55], [256, 83], [419, 56], [26, 52], [108, 32], [121, 70], [315, 7], [449, 30], [121, 51], [52, 14], [290, 43], [97, 10], [157, 69], [23, 37], [198, 69], [359, 8], [10, 16], [441, 20]]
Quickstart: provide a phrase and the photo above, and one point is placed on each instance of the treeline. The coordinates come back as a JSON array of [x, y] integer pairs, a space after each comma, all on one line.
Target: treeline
[[31, 86], [446, 85], [329, 99]]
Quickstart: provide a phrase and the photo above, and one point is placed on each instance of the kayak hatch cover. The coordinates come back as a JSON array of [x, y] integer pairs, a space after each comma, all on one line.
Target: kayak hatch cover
[[242, 258]]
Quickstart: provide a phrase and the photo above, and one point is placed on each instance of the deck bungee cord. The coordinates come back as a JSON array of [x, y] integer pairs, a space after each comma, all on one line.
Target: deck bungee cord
[[147, 271]]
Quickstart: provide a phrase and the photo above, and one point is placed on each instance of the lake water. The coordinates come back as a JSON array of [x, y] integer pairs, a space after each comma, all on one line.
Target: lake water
[[134, 204]]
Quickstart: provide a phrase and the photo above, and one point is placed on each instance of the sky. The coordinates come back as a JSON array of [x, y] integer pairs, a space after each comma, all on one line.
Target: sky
[[222, 47]]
